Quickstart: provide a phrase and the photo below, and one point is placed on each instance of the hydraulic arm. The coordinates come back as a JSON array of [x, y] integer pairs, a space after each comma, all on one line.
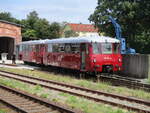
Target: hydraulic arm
[[118, 33]]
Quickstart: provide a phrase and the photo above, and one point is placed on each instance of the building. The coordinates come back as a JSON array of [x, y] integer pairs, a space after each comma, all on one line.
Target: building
[[81, 29], [10, 35]]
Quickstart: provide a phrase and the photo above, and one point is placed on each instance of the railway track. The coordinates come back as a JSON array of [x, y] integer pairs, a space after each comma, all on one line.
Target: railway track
[[124, 81], [27, 103], [134, 104], [114, 79]]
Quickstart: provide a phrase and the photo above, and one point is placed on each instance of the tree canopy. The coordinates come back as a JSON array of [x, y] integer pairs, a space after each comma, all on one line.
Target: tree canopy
[[132, 15], [34, 26], [39, 28], [8, 17], [70, 33]]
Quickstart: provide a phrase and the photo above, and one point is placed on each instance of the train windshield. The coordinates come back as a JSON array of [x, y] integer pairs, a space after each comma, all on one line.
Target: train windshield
[[96, 48], [106, 48], [102, 48]]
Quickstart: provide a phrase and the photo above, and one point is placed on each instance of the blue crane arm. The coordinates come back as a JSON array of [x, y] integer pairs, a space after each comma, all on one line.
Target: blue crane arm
[[119, 37], [117, 28]]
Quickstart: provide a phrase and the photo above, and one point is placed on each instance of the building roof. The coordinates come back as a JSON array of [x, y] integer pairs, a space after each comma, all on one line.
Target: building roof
[[4, 21], [82, 27], [98, 39]]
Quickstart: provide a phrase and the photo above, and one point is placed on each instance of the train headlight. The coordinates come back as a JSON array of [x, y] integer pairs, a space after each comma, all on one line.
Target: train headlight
[[119, 59], [94, 60]]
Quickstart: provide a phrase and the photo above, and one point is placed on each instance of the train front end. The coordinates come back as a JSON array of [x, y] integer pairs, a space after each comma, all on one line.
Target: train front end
[[106, 57]]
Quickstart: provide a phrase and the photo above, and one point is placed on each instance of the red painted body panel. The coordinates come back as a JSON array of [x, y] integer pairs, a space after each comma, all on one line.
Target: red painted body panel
[[71, 61]]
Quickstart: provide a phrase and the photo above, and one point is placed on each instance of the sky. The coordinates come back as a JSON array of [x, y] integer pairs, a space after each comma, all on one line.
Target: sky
[[73, 11]]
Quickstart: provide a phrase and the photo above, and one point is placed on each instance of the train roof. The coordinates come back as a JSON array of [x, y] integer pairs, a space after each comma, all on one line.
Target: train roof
[[34, 42], [98, 39]]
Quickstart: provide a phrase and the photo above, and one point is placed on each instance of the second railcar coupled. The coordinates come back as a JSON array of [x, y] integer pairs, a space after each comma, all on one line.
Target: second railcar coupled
[[86, 54]]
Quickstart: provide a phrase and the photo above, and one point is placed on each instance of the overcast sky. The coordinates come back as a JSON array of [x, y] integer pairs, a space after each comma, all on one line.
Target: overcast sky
[[74, 11]]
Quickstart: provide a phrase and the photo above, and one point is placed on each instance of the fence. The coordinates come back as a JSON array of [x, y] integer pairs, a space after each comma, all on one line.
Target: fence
[[137, 66]]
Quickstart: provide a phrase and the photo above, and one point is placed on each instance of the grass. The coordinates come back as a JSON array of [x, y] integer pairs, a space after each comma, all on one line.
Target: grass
[[75, 102], [148, 81], [4, 108], [2, 111], [84, 83], [90, 107], [19, 85]]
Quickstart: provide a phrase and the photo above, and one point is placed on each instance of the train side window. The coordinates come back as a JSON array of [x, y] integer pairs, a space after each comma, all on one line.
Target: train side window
[[25, 47], [75, 48], [33, 48], [20, 48], [67, 48], [30, 48], [61, 47], [116, 47], [55, 47], [49, 47], [37, 48]]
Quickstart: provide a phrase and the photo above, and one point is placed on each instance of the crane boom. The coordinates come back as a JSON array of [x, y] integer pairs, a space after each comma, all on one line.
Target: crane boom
[[118, 32]]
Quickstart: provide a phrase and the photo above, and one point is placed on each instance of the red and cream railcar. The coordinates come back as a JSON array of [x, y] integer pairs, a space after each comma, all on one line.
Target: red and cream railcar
[[87, 54], [31, 51]]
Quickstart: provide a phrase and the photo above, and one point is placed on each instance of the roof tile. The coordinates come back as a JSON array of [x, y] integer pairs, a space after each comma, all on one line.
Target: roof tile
[[82, 27]]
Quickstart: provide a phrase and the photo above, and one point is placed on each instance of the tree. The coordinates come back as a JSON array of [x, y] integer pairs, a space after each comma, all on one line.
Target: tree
[[8, 17], [133, 16], [55, 30], [32, 18], [30, 35], [70, 33], [42, 27], [35, 27]]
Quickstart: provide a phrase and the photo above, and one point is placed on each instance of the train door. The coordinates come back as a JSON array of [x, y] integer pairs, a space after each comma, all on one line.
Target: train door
[[46, 54], [39, 53], [84, 56]]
